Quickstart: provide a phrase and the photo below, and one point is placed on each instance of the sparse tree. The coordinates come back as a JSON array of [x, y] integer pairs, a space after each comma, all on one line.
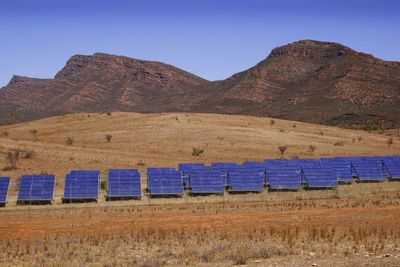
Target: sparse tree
[[108, 137], [196, 151], [312, 148], [69, 141], [282, 149], [12, 157], [34, 134], [390, 141]]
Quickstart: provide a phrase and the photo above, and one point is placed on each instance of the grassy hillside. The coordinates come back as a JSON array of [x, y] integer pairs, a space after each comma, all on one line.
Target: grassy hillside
[[143, 140]]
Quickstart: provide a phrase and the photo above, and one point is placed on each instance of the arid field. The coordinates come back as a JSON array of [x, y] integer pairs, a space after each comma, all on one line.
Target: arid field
[[356, 225]]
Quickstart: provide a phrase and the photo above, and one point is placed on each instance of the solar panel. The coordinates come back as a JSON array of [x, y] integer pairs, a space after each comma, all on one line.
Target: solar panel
[[368, 169], [283, 175], [247, 179], [36, 188], [164, 181], [82, 185], [318, 176], [206, 181], [260, 165], [4, 186], [124, 183], [186, 169], [224, 168], [392, 167], [341, 167]]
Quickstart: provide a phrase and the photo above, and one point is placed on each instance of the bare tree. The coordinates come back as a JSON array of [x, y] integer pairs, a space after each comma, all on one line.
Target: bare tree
[[34, 134], [312, 148], [390, 141], [282, 149], [69, 141], [108, 137]]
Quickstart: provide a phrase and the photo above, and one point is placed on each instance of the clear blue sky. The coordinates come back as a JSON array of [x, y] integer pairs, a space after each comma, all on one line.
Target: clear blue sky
[[210, 38]]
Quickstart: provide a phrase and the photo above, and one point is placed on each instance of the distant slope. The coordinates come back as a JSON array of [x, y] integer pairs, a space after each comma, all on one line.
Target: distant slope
[[311, 81], [143, 140], [93, 84]]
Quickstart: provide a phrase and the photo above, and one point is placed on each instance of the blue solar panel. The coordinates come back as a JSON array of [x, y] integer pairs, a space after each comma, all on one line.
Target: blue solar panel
[[368, 169], [392, 167], [186, 169], [282, 174], [246, 179], [4, 186], [82, 184], [224, 168], [318, 176], [341, 167], [124, 183], [206, 181], [36, 187], [164, 181]]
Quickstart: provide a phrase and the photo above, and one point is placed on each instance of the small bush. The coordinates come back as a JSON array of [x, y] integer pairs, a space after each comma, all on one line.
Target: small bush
[[196, 151], [34, 134], [294, 125], [389, 141], [359, 138], [339, 143], [104, 184], [26, 153], [69, 141], [272, 122], [141, 163], [321, 133], [108, 113], [108, 137], [282, 149], [312, 148], [11, 157]]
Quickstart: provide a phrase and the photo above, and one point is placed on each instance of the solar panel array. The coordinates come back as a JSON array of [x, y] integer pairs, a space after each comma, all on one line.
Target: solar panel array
[[283, 175], [200, 179], [224, 168], [164, 181], [368, 169], [249, 178], [82, 184], [37, 188], [186, 169], [206, 181], [392, 167], [124, 183], [341, 168], [4, 186], [316, 175]]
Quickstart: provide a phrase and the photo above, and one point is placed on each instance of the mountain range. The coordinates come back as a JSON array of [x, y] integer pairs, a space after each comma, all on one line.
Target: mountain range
[[311, 81]]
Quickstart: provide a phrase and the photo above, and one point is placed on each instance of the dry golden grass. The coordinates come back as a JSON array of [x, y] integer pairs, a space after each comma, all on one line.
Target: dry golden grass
[[358, 225], [143, 140], [333, 232]]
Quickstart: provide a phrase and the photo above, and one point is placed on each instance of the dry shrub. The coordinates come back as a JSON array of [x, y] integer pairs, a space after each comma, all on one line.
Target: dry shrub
[[108, 137], [69, 141], [390, 141], [196, 151], [339, 143], [312, 148]]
